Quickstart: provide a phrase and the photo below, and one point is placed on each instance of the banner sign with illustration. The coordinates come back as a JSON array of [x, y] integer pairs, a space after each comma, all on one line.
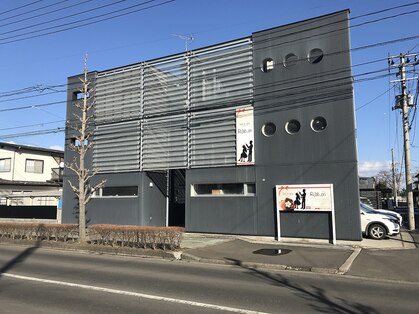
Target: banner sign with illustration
[[305, 197], [313, 197], [245, 153]]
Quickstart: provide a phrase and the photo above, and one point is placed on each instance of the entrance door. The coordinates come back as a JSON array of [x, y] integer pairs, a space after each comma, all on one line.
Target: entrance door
[[177, 197]]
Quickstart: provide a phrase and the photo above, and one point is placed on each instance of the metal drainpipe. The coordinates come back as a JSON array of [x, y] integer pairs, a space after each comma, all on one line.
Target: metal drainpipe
[[13, 167]]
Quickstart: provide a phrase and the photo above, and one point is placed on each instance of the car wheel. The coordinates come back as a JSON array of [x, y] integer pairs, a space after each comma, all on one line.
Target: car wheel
[[377, 231]]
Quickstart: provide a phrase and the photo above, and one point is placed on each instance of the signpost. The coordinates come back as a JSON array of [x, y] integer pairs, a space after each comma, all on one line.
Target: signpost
[[309, 198]]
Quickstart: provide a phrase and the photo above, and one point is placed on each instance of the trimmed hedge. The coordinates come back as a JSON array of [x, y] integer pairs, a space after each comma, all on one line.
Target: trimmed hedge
[[136, 236], [34, 231], [165, 238]]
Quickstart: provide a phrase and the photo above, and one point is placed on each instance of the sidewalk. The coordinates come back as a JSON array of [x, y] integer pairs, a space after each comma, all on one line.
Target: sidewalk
[[393, 258]]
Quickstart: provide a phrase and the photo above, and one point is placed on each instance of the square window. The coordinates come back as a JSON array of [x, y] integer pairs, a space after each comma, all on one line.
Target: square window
[[5, 164], [34, 166]]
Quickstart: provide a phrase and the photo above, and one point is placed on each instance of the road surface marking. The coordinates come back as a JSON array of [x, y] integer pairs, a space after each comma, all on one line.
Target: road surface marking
[[133, 294]]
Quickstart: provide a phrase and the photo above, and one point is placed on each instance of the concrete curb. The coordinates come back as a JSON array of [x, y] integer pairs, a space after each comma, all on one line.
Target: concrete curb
[[253, 265], [348, 263]]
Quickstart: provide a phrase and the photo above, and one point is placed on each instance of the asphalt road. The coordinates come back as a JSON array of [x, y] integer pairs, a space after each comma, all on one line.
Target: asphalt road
[[35, 280]]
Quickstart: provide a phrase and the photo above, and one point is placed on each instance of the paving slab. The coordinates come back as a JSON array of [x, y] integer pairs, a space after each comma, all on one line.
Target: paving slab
[[401, 265], [238, 251]]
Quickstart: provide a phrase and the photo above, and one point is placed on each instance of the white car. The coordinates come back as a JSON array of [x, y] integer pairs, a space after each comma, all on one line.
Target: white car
[[377, 225], [384, 211]]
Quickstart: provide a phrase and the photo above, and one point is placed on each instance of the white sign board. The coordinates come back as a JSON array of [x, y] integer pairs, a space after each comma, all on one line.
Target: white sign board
[[245, 153], [301, 197]]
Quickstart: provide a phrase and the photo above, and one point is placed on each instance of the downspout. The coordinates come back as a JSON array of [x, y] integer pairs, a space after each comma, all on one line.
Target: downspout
[[13, 167]]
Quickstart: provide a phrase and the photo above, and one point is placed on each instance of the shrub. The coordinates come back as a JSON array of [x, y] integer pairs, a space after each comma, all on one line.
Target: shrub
[[34, 231], [165, 238], [136, 236]]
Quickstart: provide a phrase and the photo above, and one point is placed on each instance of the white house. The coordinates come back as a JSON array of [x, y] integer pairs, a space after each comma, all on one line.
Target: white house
[[30, 176]]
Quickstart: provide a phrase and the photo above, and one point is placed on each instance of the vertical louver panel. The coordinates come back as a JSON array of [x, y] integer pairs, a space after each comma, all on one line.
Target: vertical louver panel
[[165, 87], [222, 76], [118, 95], [213, 138], [117, 147], [164, 143]]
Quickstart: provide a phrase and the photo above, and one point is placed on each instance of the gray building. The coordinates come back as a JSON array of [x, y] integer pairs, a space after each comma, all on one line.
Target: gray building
[[202, 138]]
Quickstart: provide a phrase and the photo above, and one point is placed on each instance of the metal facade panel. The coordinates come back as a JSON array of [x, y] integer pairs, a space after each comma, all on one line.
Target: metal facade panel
[[165, 87], [117, 147], [213, 138], [222, 76], [165, 143], [118, 95], [184, 107]]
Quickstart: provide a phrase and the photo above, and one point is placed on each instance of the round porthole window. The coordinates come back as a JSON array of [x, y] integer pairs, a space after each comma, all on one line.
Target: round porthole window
[[292, 126], [268, 129], [318, 124], [268, 65], [290, 60], [315, 55]]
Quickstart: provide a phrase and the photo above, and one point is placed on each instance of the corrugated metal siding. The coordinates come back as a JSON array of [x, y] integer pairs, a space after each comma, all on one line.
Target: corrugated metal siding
[[165, 143], [213, 138], [117, 147], [118, 95]]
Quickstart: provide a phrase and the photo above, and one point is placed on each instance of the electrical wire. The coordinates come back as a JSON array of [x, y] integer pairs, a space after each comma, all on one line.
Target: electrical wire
[[31, 11], [21, 7], [88, 23], [359, 108], [60, 19]]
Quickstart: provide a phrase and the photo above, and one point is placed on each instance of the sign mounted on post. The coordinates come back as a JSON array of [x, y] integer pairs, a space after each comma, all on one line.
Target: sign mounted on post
[[245, 153], [310, 197]]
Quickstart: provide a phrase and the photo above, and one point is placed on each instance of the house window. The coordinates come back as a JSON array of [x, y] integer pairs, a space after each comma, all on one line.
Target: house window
[[34, 166], [80, 95], [5, 164], [223, 189], [267, 65], [117, 191], [318, 124], [292, 127]]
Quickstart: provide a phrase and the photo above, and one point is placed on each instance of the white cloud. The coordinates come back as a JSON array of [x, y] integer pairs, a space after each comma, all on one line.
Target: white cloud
[[56, 147], [372, 167]]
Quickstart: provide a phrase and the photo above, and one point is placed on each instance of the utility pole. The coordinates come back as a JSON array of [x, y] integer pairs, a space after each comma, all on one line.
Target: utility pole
[[394, 179], [403, 103]]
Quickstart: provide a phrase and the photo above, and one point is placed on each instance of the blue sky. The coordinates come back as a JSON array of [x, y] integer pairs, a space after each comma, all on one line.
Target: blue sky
[[39, 63]]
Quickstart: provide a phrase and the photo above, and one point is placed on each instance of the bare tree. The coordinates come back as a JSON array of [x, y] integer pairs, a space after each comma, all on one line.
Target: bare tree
[[81, 146], [384, 178]]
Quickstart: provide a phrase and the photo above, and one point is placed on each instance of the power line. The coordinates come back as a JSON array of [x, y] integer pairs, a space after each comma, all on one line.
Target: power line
[[380, 43], [43, 14], [369, 46], [28, 12], [58, 19], [23, 6], [89, 23], [31, 125], [371, 101]]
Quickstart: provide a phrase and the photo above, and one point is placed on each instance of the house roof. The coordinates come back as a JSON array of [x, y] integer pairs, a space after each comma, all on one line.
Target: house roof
[[32, 148]]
